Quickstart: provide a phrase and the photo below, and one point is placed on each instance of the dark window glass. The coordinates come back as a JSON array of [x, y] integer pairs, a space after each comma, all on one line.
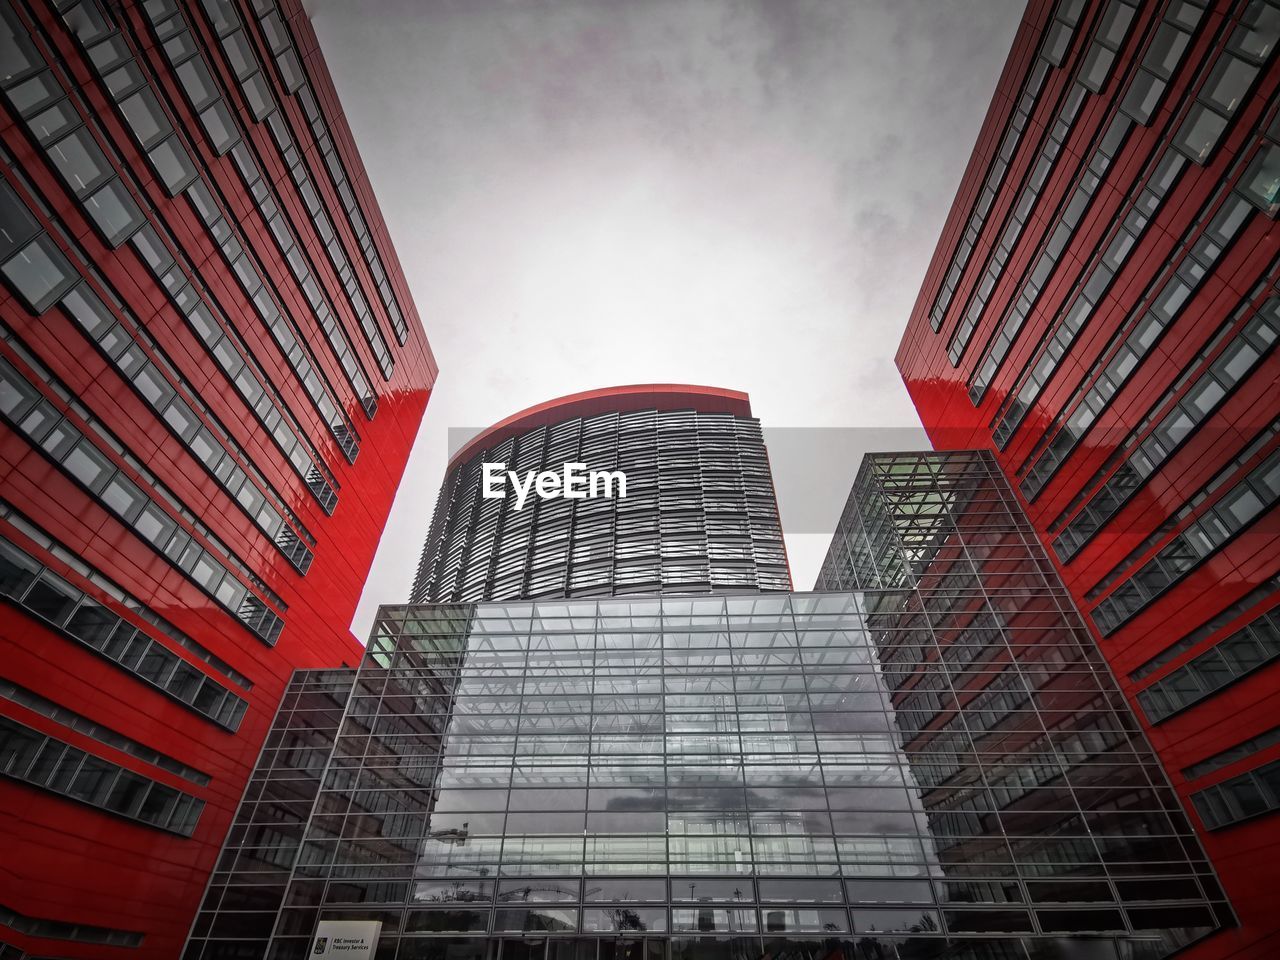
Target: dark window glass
[[239, 54], [1096, 67], [92, 623], [1143, 96], [1056, 42], [145, 117], [80, 161], [800, 891], [17, 570], [1228, 83], [32, 94], [219, 127], [39, 274], [51, 597], [195, 80], [1200, 132], [1166, 50], [446, 921], [115, 212], [648, 890], [888, 891], [258, 93], [17, 53], [17, 226], [1261, 182], [54, 121], [173, 166]]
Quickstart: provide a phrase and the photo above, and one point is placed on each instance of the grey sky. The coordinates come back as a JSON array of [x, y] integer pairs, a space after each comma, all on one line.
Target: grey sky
[[743, 194]]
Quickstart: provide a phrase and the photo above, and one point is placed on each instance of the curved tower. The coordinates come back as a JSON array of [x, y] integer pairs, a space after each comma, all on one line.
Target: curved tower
[[698, 515]]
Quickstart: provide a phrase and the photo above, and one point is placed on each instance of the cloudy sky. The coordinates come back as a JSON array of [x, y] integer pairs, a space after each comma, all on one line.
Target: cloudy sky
[[744, 193]]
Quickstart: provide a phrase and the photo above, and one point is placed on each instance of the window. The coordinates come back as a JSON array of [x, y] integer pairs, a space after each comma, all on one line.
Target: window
[[1261, 181], [114, 212], [1056, 42], [1165, 52], [51, 764], [145, 117], [1228, 84], [54, 121], [258, 94], [195, 80], [17, 52], [80, 161], [1143, 96], [39, 274], [239, 54], [1240, 798], [1096, 67], [51, 597], [172, 165], [1200, 132], [17, 226]]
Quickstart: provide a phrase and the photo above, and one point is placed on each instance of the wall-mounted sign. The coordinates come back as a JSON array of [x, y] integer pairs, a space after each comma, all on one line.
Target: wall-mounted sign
[[346, 939]]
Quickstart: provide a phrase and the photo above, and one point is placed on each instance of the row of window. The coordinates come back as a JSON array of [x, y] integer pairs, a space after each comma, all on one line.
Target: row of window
[[1239, 358], [614, 853], [1249, 498], [687, 947], [1250, 191], [31, 757], [110, 56], [1073, 211], [1160, 61], [1231, 755], [89, 312], [1241, 798], [1225, 474], [701, 888], [125, 600], [162, 497], [182, 50], [277, 34], [1140, 427], [59, 930], [824, 922], [69, 145], [40, 591], [38, 273], [1255, 596], [1112, 28], [1053, 50], [20, 695], [1172, 38], [1019, 214], [243, 263], [36, 419], [1129, 226], [1228, 83], [1137, 336], [1236, 655], [239, 367]]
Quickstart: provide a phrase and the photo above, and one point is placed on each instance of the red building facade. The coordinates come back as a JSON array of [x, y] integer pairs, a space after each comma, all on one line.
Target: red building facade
[[1102, 311], [211, 374]]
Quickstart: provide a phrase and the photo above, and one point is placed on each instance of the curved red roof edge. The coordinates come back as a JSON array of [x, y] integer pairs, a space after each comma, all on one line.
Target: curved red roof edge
[[639, 396]]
